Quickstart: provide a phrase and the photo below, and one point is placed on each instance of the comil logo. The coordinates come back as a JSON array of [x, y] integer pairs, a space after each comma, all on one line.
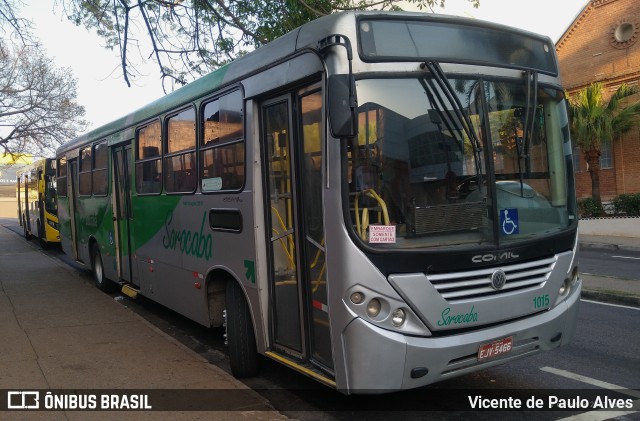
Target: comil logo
[[494, 257], [23, 399]]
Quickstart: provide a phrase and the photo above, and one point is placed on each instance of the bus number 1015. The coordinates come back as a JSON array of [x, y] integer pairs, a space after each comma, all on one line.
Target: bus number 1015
[[541, 301]]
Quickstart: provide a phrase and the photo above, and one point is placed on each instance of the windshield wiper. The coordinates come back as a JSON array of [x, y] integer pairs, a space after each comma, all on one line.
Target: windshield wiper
[[460, 112], [530, 116], [442, 111], [528, 125]]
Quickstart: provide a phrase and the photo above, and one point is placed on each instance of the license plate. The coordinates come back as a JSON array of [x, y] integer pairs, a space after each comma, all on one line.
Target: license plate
[[495, 349]]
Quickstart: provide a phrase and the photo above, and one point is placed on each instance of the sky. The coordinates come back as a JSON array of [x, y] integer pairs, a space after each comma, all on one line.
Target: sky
[[105, 95]]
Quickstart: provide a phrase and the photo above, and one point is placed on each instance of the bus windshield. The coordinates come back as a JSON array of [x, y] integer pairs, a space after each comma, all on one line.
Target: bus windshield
[[415, 179]]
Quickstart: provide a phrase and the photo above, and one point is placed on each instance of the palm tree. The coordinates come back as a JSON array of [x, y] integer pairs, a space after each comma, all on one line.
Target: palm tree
[[593, 120]]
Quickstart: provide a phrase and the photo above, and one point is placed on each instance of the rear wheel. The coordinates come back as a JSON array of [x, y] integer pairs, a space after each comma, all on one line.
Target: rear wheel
[[241, 338], [97, 268]]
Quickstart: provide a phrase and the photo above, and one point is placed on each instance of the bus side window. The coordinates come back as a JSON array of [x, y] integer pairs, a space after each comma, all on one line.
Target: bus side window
[[61, 184], [222, 144], [85, 172], [99, 169], [180, 161], [149, 159]]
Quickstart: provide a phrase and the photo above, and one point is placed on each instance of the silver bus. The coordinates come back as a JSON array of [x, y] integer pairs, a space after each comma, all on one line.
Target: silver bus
[[377, 200]]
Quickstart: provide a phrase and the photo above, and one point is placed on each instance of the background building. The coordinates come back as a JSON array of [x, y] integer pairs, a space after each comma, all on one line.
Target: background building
[[602, 45], [8, 166]]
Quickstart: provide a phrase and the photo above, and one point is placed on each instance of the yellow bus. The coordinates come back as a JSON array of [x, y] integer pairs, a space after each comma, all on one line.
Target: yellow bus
[[37, 201]]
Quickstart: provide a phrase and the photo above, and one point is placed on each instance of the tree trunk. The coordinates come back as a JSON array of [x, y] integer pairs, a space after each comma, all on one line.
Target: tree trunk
[[592, 157]]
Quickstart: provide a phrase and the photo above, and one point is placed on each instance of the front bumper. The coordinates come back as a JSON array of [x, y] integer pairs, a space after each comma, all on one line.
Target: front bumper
[[379, 361]]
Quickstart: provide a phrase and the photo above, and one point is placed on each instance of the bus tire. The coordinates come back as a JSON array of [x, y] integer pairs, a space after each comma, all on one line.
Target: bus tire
[[97, 268], [241, 338]]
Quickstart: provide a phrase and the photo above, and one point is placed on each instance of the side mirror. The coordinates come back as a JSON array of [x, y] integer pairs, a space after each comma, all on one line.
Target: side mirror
[[342, 106]]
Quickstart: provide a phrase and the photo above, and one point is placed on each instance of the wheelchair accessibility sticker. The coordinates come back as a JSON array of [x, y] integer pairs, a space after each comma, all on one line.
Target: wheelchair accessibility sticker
[[509, 221]]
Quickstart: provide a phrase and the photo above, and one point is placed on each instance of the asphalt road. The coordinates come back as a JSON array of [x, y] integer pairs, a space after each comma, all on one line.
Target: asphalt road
[[608, 262]]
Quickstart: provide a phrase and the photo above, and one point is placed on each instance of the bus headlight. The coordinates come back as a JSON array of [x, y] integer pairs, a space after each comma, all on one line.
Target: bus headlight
[[397, 317], [383, 310], [373, 308], [574, 276], [52, 224], [564, 288], [569, 283]]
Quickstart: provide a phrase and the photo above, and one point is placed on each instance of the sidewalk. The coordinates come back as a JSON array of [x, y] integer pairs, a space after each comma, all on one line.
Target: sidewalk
[[60, 332]]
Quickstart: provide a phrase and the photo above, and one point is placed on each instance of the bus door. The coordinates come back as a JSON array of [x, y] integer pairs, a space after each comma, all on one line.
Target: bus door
[[122, 214], [292, 135], [19, 195], [27, 220], [73, 205], [41, 186]]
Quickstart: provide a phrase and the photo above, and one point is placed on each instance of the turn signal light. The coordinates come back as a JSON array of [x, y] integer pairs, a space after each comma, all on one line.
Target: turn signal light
[[357, 298]]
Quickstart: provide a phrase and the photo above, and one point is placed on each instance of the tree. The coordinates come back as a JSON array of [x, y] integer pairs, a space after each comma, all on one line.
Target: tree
[[38, 108], [11, 24], [594, 120], [188, 38]]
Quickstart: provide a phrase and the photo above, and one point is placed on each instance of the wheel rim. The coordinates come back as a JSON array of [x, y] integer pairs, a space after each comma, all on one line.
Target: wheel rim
[[97, 269]]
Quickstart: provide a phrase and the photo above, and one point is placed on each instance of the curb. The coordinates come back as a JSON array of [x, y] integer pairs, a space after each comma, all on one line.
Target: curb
[[607, 297], [608, 246]]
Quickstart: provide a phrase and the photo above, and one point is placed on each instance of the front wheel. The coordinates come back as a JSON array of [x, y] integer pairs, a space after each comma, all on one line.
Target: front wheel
[[241, 338], [97, 268]]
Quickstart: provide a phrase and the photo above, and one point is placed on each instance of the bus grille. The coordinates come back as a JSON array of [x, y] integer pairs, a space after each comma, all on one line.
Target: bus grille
[[477, 283]]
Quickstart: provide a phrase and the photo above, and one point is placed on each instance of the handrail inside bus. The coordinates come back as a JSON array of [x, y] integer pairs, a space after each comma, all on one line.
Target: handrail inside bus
[[286, 232], [318, 281], [363, 223]]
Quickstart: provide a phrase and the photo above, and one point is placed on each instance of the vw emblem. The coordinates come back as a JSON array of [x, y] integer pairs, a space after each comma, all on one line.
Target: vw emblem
[[498, 278]]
